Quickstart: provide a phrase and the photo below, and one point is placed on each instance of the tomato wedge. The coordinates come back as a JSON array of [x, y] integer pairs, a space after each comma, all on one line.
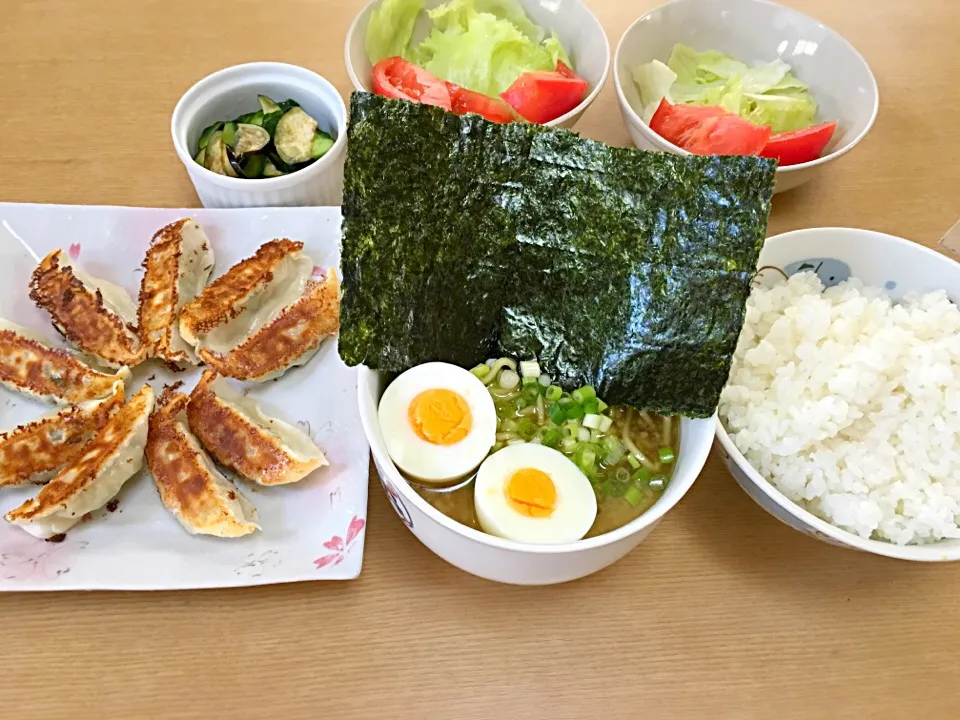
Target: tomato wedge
[[799, 146], [708, 130], [397, 78], [544, 96], [464, 101]]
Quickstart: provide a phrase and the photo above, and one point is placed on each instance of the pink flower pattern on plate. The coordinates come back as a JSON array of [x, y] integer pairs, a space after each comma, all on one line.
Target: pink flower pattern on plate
[[74, 251], [339, 546]]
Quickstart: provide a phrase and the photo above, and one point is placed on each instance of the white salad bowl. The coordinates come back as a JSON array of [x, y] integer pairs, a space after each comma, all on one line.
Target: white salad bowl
[[754, 31], [232, 92], [512, 562], [879, 260], [577, 27]]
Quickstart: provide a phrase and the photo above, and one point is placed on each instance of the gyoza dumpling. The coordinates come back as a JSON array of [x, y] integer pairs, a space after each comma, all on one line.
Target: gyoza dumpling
[[35, 452], [94, 315], [29, 365], [286, 340], [176, 269], [233, 305], [190, 486], [113, 456], [240, 437]]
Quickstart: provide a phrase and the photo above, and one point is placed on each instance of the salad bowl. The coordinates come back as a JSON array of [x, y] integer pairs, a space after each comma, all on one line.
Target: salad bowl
[[577, 28], [754, 31]]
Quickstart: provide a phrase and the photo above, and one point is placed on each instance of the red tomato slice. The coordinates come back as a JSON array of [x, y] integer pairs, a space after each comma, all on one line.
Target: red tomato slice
[[463, 101], [544, 96], [799, 146], [708, 130], [396, 78]]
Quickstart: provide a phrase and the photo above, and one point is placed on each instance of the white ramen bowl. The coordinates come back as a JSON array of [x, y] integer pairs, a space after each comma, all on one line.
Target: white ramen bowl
[[754, 31], [878, 260], [579, 31], [232, 92], [512, 562]]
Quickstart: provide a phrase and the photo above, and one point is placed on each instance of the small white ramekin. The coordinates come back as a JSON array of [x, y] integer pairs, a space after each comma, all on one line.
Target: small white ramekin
[[233, 91]]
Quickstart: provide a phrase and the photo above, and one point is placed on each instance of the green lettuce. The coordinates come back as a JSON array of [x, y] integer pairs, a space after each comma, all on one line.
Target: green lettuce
[[765, 94], [482, 45]]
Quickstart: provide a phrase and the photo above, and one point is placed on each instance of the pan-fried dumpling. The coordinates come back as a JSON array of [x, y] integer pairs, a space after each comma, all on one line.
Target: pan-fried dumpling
[[113, 456], [240, 437], [176, 269], [96, 316], [233, 305], [190, 486], [287, 340], [35, 452], [29, 365]]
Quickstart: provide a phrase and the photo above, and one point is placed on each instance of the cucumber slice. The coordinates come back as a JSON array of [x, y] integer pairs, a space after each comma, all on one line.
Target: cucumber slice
[[254, 165], [321, 145], [294, 136], [229, 133], [270, 121], [200, 155], [244, 118], [205, 135], [278, 163], [249, 139], [270, 170], [256, 118], [288, 104], [267, 105]]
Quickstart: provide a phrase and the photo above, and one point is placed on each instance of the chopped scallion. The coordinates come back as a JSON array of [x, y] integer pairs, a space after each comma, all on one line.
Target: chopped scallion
[[556, 414], [642, 475], [553, 393], [658, 482], [583, 394], [544, 380], [667, 455], [552, 438], [530, 392], [633, 495], [592, 421], [605, 424], [622, 474], [527, 428], [508, 379], [481, 371], [574, 412], [634, 463], [568, 444], [601, 406], [530, 369], [591, 406], [588, 459], [518, 441], [583, 435]]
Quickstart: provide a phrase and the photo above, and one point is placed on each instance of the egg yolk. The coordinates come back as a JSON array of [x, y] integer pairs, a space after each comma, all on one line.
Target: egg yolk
[[532, 492], [440, 416]]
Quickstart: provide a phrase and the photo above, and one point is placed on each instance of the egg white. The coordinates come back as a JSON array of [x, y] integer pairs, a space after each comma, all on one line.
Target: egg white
[[424, 460], [575, 509]]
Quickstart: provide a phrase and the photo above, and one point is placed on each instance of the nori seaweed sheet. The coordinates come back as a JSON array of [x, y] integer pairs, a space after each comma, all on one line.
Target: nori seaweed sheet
[[624, 269]]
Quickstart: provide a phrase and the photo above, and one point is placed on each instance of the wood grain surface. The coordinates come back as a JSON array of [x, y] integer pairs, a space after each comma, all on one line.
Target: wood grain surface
[[721, 613]]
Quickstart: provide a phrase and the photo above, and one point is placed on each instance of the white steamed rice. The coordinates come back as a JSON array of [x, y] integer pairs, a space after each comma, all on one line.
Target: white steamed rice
[[850, 405]]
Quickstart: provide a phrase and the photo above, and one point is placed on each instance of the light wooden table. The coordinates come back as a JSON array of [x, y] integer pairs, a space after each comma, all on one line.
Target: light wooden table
[[722, 613]]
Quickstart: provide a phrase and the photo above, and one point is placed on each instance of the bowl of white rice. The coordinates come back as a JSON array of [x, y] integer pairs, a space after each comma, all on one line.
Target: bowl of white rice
[[841, 416]]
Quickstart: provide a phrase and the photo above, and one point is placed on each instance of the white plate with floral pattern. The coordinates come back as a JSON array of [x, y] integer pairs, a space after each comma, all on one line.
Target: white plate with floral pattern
[[311, 530]]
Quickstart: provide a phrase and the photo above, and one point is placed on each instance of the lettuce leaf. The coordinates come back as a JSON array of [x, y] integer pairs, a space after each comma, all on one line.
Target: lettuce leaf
[[765, 94], [391, 29], [482, 45]]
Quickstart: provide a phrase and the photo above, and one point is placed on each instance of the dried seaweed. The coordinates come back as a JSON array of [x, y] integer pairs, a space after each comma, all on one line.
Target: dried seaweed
[[464, 239]]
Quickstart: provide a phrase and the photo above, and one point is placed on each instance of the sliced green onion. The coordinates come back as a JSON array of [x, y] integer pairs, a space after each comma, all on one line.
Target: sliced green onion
[[505, 436], [591, 406], [605, 424], [530, 369], [497, 446], [527, 428], [634, 463], [552, 438], [508, 425], [666, 455], [583, 394], [592, 421], [529, 381], [587, 460], [508, 379], [565, 400], [583, 435], [569, 444], [530, 393], [544, 380], [622, 474], [496, 366], [601, 405], [658, 482], [595, 436], [642, 475], [556, 414], [553, 393], [633, 495], [481, 370], [518, 441], [574, 412]]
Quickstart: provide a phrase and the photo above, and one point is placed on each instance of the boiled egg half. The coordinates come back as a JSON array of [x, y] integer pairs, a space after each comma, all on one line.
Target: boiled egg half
[[438, 422], [534, 494]]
